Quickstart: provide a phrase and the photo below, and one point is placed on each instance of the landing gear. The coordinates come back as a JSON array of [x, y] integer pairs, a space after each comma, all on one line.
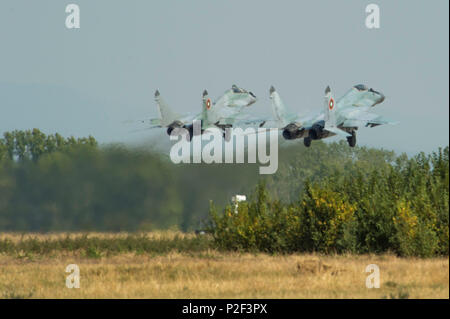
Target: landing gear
[[191, 133], [226, 131], [307, 141], [352, 139], [227, 135]]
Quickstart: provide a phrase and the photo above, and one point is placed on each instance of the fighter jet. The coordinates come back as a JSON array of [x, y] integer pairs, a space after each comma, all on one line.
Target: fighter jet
[[342, 117], [222, 114]]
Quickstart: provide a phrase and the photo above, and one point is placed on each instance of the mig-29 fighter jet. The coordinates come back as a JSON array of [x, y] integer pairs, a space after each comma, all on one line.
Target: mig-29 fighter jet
[[342, 117], [222, 114]]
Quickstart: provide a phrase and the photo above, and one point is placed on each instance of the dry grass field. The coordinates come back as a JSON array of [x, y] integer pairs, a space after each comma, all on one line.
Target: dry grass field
[[213, 274]]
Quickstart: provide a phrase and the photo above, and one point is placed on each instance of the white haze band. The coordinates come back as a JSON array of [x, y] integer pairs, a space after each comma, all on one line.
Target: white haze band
[[220, 150]]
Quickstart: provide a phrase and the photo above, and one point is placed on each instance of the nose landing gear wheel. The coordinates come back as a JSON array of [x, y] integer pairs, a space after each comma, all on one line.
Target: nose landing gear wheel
[[307, 141], [352, 140]]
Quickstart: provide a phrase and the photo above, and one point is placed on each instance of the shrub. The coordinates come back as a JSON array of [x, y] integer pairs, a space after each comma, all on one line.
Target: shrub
[[402, 208], [326, 221], [414, 236]]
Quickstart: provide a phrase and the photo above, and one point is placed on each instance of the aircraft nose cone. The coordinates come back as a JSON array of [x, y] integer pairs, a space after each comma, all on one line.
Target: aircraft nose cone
[[381, 96], [252, 98]]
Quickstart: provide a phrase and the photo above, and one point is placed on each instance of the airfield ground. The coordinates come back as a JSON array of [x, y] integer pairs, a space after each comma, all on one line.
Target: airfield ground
[[28, 271]]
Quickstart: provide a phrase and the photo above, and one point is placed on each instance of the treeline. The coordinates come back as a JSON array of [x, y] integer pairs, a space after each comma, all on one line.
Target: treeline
[[399, 205], [51, 183], [32, 144], [328, 197]]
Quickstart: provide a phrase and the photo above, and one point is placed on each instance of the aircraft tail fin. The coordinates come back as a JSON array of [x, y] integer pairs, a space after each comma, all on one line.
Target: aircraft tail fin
[[166, 114], [279, 108], [206, 105], [330, 114], [329, 107]]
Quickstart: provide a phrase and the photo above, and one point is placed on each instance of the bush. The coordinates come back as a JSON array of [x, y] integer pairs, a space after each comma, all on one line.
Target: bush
[[260, 225], [326, 221], [402, 208], [414, 236]]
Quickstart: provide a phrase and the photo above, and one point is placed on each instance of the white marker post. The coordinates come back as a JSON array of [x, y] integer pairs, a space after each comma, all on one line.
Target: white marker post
[[236, 199]]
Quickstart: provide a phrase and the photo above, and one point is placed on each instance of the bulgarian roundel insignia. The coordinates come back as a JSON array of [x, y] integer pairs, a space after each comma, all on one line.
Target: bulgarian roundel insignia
[[331, 104], [208, 104]]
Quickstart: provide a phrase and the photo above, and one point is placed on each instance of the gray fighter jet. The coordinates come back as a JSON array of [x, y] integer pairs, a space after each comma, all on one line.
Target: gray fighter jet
[[222, 114], [342, 117]]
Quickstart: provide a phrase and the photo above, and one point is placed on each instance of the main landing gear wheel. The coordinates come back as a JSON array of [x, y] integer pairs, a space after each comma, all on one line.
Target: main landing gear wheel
[[352, 140], [227, 136], [190, 134], [307, 141]]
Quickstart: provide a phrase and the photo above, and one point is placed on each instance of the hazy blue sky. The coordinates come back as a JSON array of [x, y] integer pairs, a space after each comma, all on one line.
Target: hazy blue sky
[[88, 81]]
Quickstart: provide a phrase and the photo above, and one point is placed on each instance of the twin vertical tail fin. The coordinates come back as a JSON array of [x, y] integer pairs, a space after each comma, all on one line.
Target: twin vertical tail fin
[[166, 114], [330, 114], [206, 105], [330, 108], [279, 109]]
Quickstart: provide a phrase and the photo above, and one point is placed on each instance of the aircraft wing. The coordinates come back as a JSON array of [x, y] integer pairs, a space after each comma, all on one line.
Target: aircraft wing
[[158, 122], [360, 96], [154, 123], [233, 101], [357, 119], [261, 122]]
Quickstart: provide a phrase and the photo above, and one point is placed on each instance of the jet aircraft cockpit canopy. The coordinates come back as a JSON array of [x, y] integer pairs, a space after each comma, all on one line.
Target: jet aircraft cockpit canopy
[[237, 90], [361, 87]]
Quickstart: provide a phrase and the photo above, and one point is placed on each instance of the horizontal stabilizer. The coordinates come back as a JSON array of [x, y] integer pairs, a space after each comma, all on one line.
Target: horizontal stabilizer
[[156, 122], [381, 121], [262, 130], [337, 131]]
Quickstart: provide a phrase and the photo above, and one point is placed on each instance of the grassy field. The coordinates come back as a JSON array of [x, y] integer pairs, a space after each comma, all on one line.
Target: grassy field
[[176, 265]]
